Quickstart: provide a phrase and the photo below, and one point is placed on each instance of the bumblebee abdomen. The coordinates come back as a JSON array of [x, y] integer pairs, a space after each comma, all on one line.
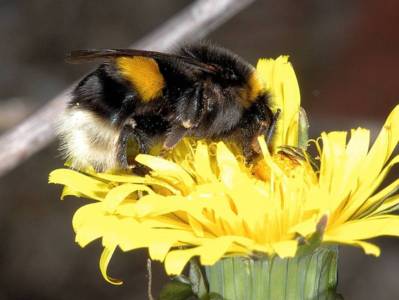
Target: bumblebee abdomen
[[88, 140], [104, 92]]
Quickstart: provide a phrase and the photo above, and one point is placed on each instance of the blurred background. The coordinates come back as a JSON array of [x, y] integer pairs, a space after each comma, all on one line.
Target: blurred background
[[345, 56]]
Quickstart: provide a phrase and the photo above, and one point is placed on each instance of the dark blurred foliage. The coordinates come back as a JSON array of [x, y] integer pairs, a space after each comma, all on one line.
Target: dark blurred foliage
[[345, 56]]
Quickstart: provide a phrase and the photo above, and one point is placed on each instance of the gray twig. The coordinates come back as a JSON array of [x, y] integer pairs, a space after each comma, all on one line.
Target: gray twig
[[149, 287], [192, 23], [13, 110]]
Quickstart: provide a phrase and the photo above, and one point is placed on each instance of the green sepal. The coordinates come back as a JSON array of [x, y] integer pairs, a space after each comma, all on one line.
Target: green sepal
[[213, 296], [197, 279], [182, 278], [176, 290], [313, 276], [303, 129], [309, 245]]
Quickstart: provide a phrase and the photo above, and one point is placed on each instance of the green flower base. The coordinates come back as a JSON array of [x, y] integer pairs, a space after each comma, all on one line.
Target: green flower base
[[312, 276]]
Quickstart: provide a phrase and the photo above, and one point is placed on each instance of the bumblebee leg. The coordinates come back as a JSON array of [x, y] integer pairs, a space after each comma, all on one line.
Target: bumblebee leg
[[190, 107], [129, 131], [247, 138], [174, 136], [249, 152], [265, 128], [122, 145], [190, 110], [128, 161]]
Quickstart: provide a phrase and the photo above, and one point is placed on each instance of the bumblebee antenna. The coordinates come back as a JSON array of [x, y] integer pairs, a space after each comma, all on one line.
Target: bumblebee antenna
[[272, 128]]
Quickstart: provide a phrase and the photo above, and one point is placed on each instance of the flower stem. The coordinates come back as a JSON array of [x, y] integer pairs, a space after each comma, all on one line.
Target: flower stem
[[312, 276]]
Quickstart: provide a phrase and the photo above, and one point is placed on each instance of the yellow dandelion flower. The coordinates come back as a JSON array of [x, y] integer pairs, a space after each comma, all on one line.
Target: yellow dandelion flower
[[203, 200]]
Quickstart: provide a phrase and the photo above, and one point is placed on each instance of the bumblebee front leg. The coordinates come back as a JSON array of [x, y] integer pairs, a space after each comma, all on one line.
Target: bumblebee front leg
[[253, 127], [272, 127], [267, 129]]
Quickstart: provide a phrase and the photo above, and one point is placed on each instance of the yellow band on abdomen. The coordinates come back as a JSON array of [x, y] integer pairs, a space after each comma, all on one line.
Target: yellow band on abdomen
[[143, 73]]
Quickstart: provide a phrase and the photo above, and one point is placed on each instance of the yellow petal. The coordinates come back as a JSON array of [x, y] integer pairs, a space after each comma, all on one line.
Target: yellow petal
[[306, 227], [196, 226], [168, 221], [104, 261], [153, 205], [130, 178], [166, 168], [210, 252], [390, 204], [91, 188], [176, 260], [121, 178], [366, 228], [121, 192], [67, 191], [267, 158], [202, 164], [227, 164], [85, 217], [380, 201], [130, 236], [285, 248], [358, 201], [368, 248], [280, 79], [264, 69], [158, 251], [381, 150], [214, 249], [356, 152]]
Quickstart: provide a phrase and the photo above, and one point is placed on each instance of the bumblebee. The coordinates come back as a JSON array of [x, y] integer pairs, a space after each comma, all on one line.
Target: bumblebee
[[201, 90]]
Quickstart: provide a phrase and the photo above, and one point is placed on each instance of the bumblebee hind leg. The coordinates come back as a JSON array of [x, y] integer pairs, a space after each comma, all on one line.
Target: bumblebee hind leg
[[138, 135], [128, 133]]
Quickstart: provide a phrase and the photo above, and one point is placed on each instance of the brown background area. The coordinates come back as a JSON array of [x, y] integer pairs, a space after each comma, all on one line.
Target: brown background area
[[345, 56]]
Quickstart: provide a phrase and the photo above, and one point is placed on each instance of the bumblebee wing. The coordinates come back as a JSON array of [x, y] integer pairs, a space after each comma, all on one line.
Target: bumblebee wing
[[82, 56]]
